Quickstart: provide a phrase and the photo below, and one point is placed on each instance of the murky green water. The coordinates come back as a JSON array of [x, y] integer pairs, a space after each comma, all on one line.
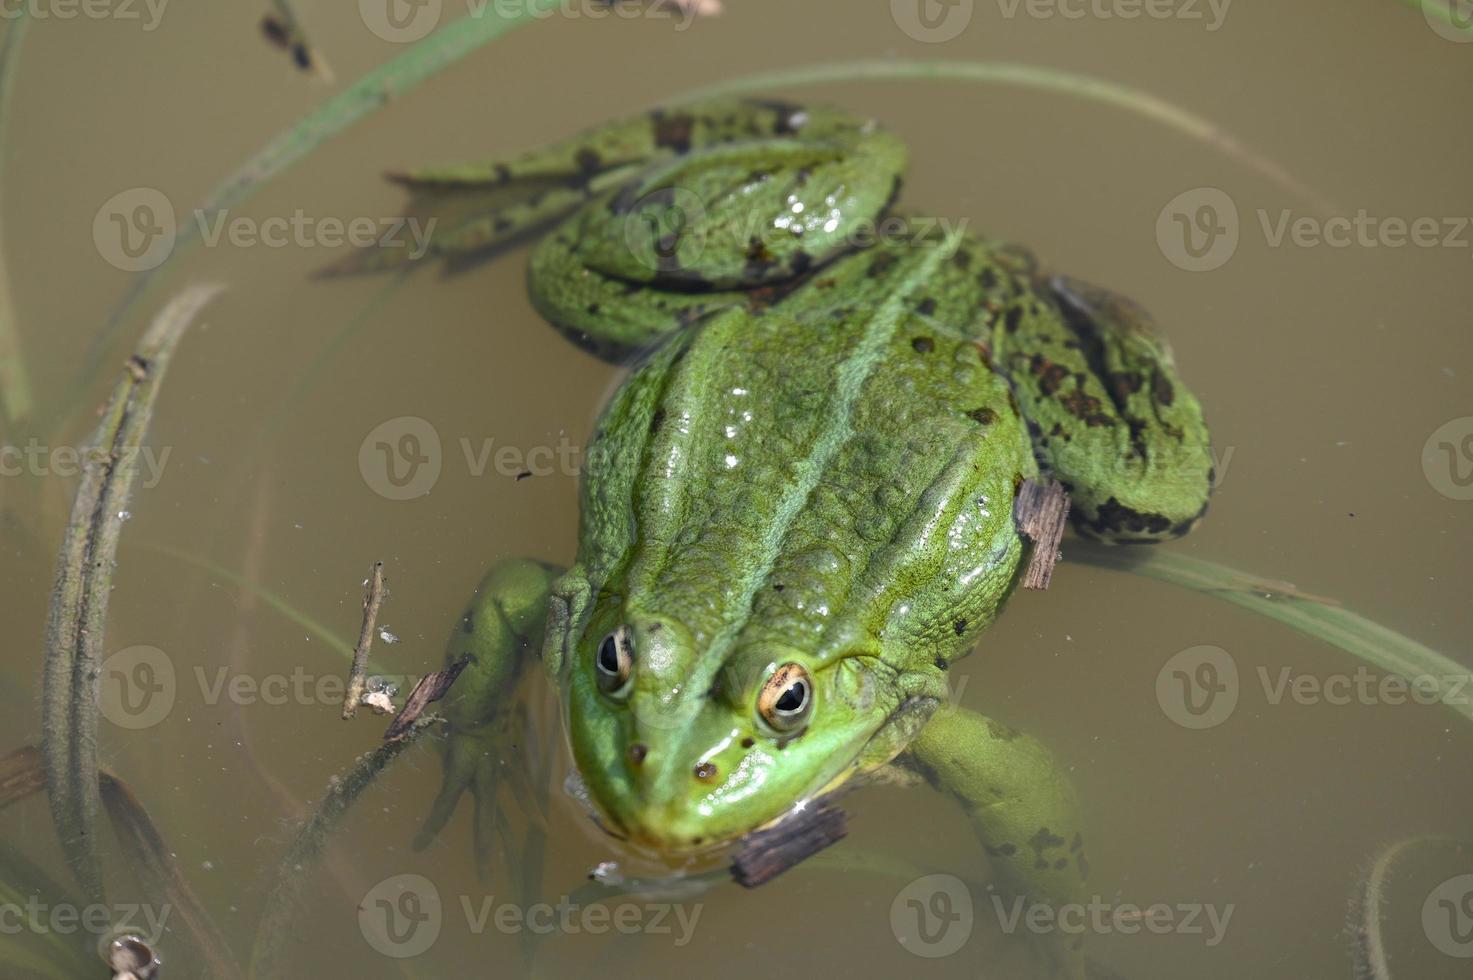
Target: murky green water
[[1334, 364]]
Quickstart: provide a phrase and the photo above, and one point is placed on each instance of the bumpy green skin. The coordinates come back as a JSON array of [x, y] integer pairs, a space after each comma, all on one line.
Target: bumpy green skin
[[814, 462]]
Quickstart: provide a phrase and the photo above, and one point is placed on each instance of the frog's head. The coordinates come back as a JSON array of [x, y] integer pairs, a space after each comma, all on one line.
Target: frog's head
[[685, 745]]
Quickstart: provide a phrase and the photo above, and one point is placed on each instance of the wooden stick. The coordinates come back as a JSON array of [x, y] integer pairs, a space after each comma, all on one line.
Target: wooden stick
[[357, 680], [1040, 511], [764, 854]]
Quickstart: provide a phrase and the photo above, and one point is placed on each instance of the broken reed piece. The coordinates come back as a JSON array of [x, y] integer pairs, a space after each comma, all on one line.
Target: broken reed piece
[[373, 599], [283, 29], [764, 854], [1040, 513], [431, 688]]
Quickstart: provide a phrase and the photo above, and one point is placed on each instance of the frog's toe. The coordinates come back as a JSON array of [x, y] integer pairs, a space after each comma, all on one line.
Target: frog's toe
[[466, 760]]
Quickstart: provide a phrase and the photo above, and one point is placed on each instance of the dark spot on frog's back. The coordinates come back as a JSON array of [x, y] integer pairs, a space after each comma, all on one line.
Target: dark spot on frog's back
[[657, 420], [926, 307], [881, 265], [706, 771], [1013, 319], [941, 663], [982, 416], [673, 130], [589, 162], [959, 627], [1162, 390], [922, 345]]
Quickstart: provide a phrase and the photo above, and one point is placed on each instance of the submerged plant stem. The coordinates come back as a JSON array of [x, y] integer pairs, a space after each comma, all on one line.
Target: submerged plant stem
[[283, 905], [78, 617], [1020, 75], [15, 381], [1313, 616]]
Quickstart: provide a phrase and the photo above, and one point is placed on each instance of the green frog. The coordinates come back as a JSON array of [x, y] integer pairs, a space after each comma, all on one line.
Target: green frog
[[797, 511]]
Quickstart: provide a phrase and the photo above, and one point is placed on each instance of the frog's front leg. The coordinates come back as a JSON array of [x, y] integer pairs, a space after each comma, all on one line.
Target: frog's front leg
[[501, 632], [1021, 806], [1107, 413]]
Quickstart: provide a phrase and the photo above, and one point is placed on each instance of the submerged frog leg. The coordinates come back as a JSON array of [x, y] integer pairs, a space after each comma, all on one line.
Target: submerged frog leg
[[500, 633], [1021, 806], [1108, 415]]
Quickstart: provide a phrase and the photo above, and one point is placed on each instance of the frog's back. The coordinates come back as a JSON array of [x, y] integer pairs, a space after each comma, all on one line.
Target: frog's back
[[835, 474]]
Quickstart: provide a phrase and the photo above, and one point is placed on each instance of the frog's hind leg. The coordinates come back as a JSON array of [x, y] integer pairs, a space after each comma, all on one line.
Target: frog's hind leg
[[1107, 413], [1022, 809], [480, 208]]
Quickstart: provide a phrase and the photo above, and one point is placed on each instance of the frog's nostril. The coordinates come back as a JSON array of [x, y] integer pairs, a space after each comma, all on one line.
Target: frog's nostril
[[706, 771], [637, 752]]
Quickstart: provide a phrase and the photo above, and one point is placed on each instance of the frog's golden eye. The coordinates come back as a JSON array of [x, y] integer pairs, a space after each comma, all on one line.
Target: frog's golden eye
[[614, 661], [786, 699]]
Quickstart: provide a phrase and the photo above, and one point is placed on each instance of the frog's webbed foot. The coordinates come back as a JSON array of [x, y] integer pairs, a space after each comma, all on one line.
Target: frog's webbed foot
[[1022, 809], [500, 632], [477, 763], [1108, 415]]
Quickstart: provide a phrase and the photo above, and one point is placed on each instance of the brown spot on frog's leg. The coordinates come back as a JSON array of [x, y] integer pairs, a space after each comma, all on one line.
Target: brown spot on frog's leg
[[941, 663], [1161, 389], [959, 627], [1001, 850], [1041, 843]]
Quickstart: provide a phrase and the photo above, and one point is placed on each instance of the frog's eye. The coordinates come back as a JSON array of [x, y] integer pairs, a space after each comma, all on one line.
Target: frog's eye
[[786, 699], [614, 661]]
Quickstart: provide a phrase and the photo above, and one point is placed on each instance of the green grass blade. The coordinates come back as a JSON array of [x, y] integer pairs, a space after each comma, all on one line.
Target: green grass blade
[[1358, 636], [15, 382], [334, 642], [1017, 75], [374, 90]]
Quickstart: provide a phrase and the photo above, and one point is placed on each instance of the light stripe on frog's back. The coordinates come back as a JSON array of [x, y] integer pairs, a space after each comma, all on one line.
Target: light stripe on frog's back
[[711, 523]]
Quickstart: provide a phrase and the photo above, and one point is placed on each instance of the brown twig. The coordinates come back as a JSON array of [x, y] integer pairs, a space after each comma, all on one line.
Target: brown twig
[[1041, 510], [431, 688], [357, 677], [764, 854]]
